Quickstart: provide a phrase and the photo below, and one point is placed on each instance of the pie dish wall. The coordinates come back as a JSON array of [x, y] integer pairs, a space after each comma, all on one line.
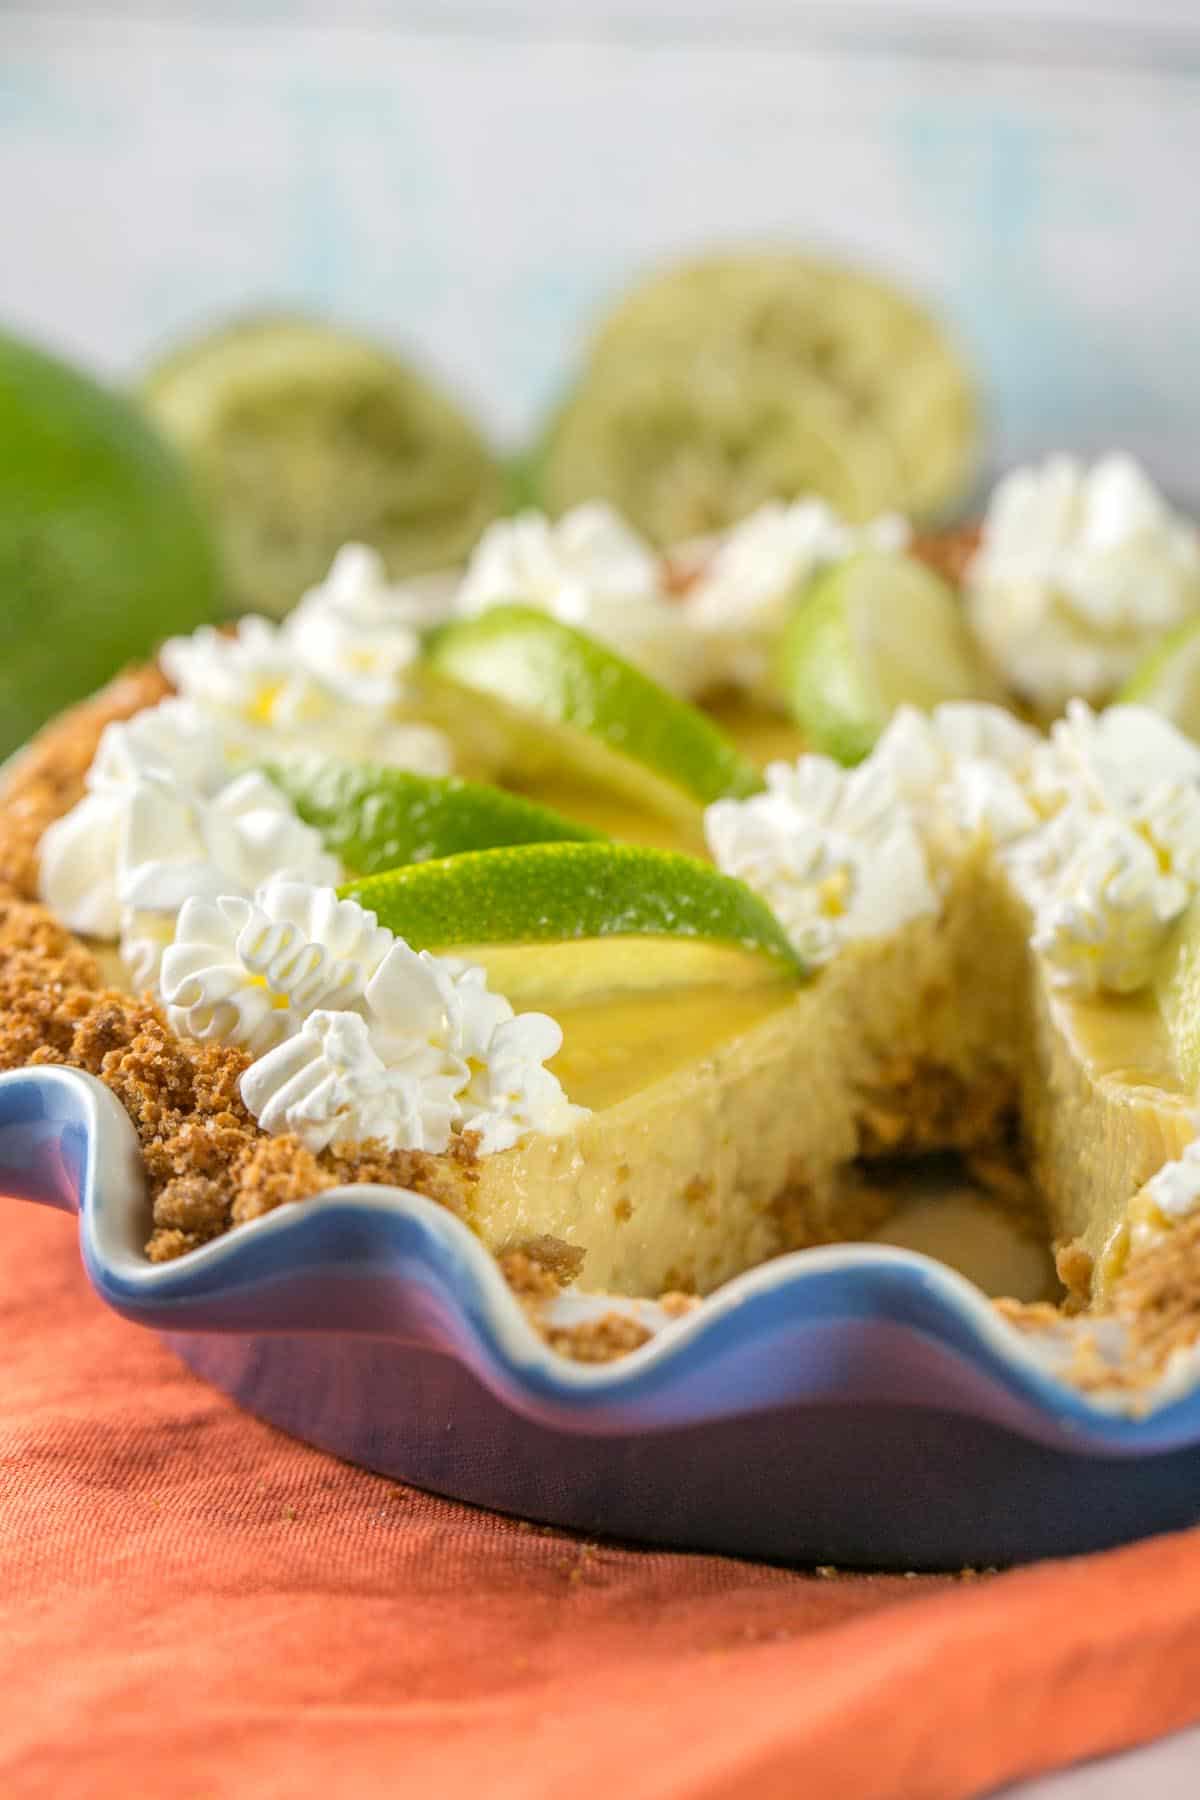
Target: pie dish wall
[[854, 1405]]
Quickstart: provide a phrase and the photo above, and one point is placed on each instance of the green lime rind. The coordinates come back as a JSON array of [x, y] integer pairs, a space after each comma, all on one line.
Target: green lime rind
[[565, 700], [875, 632], [104, 549], [302, 436], [375, 818], [560, 893], [1168, 679]]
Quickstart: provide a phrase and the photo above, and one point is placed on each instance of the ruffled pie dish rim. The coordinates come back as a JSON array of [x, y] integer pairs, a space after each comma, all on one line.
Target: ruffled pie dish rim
[[394, 1265], [860, 1406]]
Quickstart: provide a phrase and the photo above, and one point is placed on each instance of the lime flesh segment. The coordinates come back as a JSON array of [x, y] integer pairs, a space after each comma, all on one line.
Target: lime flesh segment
[[543, 699], [103, 548], [375, 818], [877, 632], [1168, 680], [577, 920], [303, 437]]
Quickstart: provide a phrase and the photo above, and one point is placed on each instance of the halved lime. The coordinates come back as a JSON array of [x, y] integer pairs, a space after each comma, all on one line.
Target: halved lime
[[574, 922], [104, 550], [540, 699], [876, 632], [762, 374], [1168, 679], [304, 437], [684, 445], [375, 817]]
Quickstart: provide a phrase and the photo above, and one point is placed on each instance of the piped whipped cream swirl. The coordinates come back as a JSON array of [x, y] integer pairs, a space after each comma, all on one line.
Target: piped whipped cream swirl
[[966, 765], [1098, 826], [1118, 858], [334, 676], [835, 853], [1079, 572], [354, 1034], [248, 972], [165, 818]]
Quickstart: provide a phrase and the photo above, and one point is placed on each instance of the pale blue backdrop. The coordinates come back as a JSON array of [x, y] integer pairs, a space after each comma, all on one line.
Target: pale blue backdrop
[[472, 180]]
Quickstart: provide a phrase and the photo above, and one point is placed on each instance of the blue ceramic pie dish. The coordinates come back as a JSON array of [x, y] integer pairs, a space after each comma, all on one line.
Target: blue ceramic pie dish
[[857, 1405]]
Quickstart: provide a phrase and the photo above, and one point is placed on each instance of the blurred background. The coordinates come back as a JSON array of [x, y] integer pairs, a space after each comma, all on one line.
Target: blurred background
[[473, 181]]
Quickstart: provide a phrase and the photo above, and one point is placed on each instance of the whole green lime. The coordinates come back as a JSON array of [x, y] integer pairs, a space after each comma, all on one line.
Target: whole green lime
[[103, 548]]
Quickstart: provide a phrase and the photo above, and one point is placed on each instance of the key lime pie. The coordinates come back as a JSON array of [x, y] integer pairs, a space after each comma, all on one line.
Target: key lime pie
[[648, 909]]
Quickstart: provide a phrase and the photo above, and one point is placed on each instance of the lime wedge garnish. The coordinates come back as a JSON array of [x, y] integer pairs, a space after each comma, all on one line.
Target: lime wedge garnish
[[103, 548], [546, 700], [304, 437], [874, 633], [568, 922], [375, 817], [1168, 680]]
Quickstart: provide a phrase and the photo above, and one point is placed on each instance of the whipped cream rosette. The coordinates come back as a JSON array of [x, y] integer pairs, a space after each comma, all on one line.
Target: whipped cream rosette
[[336, 675], [165, 817], [835, 854], [1080, 571], [356, 1036]]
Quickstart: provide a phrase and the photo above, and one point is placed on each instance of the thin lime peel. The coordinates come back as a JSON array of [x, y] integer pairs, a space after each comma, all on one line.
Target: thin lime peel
[[572, 892], [556, 699], [1168, 679], [376, 818]]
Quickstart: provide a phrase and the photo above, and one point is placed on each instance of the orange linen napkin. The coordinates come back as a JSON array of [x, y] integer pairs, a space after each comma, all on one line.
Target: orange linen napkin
[[193, 1605]]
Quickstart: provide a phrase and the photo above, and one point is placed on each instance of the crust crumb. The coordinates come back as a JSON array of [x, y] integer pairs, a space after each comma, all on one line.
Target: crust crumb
[[677, 1305], [1074, 1266], [1158, 1296], [529, 1279], [948, 553], [47, 779], [599, 1340]]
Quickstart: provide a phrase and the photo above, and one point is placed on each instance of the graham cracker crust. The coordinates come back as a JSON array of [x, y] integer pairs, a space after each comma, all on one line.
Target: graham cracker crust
[[208, 1166]]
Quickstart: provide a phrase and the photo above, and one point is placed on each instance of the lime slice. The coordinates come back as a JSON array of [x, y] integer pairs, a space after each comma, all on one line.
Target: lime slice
[[522, 689], [375, 817], [1168, 680], [876, 632], [103, 549], [738, 378], [576, 922], [303, 438], [683, 448]]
